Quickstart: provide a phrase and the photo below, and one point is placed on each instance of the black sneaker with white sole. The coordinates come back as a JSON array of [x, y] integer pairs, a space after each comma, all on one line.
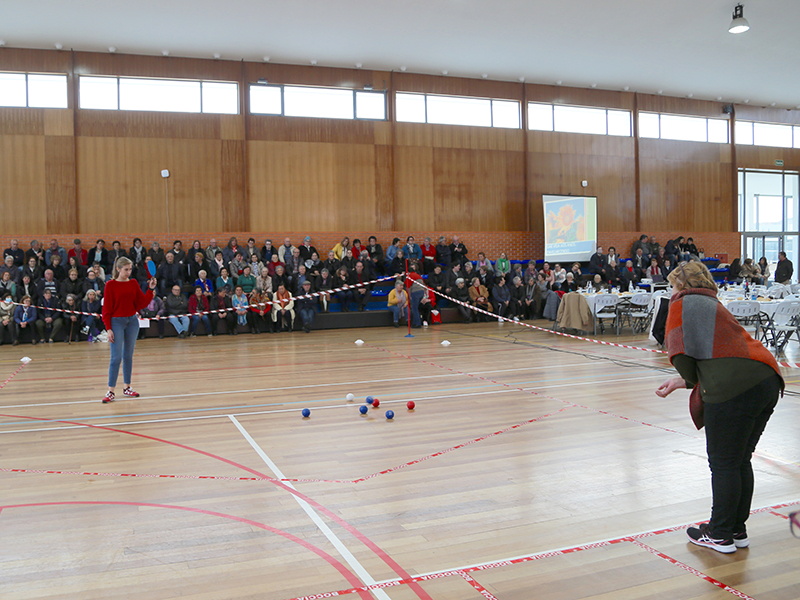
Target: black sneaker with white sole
[[740, 540], [700, 536]]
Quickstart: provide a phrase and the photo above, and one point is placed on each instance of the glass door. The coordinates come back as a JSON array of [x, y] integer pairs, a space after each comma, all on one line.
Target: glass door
[[757, 246]]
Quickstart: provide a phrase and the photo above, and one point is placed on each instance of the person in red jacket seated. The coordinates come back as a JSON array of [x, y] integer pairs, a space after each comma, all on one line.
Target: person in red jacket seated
[[80, 254], [198, 309], [122, 300]]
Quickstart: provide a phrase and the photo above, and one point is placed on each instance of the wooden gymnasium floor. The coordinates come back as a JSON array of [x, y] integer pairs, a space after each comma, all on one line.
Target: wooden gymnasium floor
[[546, 462]]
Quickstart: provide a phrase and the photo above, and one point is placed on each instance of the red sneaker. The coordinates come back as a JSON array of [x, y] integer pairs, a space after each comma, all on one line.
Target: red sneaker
[[109, 397], [130, 393]]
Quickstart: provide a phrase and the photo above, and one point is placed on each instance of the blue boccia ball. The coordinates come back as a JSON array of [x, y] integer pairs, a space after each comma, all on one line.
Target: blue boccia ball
[[390, 414], [306, 412], [362, 409], [370, 399]]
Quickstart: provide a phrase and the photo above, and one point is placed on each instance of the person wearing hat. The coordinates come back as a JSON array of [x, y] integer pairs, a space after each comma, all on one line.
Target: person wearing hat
[[81, 255], [306, 306]]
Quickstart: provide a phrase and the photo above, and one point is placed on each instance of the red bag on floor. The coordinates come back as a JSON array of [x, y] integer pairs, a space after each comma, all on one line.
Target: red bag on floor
[[436, 317]]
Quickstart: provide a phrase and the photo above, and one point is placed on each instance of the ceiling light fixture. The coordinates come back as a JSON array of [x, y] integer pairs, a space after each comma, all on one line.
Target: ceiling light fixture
[[739, 24], [772, 103], [216, 55], [660, 92], [719, 98], [369, 87], [263, 81], [626, 88], [266, 59], [485, 75], [444, 72], [558, 82], [689, 95], [594, 85], [2, 43], [165, 53], [358, 65], [59, 45], [403, 68], [747, 100], [522, 80], [112, 49]]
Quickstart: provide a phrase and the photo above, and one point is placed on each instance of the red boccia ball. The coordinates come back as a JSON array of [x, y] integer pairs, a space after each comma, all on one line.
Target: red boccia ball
[[376, 403], [410, 405]]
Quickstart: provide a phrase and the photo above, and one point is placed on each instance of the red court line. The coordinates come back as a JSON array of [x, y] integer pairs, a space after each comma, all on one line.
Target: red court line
[[22, 366], [293, 480], [349, 576], [481, 590], [693, 571], [533, 557], [514, 387], [350, 528]]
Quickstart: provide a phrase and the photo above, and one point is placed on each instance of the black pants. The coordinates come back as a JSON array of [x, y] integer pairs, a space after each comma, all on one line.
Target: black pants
[[228, 318], [425, 311], [12, 330], [733, 429], [159, 323], [361, 299]]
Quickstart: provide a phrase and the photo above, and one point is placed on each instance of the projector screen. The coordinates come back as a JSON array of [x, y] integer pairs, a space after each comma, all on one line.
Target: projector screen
[[570, 228]]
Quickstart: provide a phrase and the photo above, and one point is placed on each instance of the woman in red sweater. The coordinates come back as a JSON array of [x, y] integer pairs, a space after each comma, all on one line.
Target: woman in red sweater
[[122, 300]]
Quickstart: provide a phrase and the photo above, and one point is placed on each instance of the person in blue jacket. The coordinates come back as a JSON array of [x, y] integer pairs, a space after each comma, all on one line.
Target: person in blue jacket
[[25, 318], [412, 249]]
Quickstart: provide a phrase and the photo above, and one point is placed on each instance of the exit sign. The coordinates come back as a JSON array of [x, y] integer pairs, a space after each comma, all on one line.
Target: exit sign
[[778, 162]]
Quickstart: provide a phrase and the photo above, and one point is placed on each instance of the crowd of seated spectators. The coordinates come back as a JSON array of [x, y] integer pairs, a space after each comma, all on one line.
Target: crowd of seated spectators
[[648, 261], [257, 285]]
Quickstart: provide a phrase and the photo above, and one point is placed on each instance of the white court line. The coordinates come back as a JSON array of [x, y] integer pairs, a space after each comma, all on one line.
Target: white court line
[[301, 387], [323, 527], [244, 414], [573, 384], [264, 412]]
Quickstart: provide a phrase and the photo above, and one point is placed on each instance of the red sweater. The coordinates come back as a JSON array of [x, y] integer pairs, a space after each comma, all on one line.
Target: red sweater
[[123, 299]]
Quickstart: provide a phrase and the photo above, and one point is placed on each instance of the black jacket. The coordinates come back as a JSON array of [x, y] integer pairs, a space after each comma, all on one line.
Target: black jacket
[[784, 270]]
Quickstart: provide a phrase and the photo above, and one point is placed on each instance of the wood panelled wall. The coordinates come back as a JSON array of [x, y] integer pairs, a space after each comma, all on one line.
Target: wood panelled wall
[[72, 171]]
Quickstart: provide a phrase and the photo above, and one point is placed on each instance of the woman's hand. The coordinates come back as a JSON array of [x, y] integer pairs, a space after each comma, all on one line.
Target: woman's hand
[[153, 283], [669, 386], [110, 336]]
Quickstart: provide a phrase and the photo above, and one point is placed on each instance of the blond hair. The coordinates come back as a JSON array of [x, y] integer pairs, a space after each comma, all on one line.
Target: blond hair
[[692, 274], [118, 264]]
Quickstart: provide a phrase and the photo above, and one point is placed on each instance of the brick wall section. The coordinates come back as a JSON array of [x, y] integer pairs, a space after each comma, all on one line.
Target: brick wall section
[[519, 245]]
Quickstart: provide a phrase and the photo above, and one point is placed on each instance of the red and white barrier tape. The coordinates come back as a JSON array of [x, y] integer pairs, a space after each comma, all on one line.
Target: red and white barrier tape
[[217, 311], [551, 331], [789, 365], [460, 572]]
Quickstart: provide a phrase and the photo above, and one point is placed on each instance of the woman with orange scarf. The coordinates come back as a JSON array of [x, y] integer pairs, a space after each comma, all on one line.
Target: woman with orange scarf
[[735, 384], [283, 310]]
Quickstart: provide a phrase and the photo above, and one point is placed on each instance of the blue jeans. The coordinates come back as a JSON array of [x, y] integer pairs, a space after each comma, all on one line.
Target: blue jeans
[[180, 324], [125, 329], [307, 316], [415, 298], [196, 319], [90, 321], [398, 312]]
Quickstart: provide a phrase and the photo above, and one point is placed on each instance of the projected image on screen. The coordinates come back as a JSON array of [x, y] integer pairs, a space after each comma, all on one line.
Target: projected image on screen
[[570, 228]]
